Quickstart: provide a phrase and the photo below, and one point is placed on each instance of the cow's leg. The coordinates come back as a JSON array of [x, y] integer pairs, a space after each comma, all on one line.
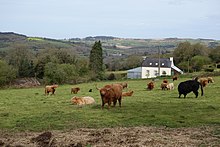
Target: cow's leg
[[103, 103], [109, 104], [196, 93], [184, 95], [180, 95], [119, 101], [114, 102]]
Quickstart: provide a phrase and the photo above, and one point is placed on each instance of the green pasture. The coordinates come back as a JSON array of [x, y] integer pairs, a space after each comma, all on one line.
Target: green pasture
[[29, 109]]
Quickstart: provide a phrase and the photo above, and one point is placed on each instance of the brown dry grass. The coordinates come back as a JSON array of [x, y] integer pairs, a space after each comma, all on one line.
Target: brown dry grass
[[123, 137]]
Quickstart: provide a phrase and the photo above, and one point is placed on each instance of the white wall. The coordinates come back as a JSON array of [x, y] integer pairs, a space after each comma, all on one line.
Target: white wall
[[153, 71]]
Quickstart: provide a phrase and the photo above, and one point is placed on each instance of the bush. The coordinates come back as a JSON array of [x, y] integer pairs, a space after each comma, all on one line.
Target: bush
[[111, 76], [209, 69], [7, 73]]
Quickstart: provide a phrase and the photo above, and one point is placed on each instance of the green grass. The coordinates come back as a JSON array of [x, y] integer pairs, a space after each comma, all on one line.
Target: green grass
[[30, 109]]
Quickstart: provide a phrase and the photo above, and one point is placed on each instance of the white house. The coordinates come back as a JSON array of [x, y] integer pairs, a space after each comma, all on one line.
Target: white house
[[150, 67]]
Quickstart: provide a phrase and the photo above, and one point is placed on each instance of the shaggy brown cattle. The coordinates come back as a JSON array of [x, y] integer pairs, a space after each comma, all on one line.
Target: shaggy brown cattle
[[150, 85], [124, 85], [164, 86], [165, 81], [129, 93], [50, 88], [75, 90], [210, 80], [82, 100], [111, 93], [205, 80], [175, 77]]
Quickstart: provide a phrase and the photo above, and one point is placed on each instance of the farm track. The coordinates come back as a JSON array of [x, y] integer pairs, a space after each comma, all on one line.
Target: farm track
[[123, 137]]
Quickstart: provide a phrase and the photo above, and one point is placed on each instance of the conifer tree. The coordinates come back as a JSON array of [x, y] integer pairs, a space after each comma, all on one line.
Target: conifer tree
[[96, 60]]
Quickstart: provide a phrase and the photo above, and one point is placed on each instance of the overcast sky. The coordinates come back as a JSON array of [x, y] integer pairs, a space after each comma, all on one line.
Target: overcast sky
[[61, 19]]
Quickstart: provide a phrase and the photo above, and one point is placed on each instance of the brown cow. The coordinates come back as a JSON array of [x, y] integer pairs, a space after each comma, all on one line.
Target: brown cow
[[203, 81], [175, 77], [50, 88], [164, 86], [111, 93], [165, 81], [129, 93], [150, 85], [210, 80], [75, 90]]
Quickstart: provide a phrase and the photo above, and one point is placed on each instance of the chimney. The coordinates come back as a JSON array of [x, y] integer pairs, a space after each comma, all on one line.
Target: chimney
[[171, 60]]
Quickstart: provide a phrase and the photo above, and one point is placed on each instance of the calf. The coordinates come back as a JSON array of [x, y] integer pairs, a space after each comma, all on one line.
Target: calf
[[175, 77], [189, 86], [50, 88], [75, 90], [164, 86], [129, 93], [150, 85]]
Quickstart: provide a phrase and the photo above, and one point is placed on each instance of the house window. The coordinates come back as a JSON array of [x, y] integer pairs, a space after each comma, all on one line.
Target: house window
[[155, 73], [156, 63], [147, 73], [162, 64], [164, 73], [150, 63]]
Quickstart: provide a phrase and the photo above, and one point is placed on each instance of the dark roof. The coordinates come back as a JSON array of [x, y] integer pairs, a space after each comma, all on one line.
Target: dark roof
[[153, 62]]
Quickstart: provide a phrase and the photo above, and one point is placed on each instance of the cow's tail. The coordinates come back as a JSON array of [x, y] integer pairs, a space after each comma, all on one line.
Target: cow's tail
[[201, 89]]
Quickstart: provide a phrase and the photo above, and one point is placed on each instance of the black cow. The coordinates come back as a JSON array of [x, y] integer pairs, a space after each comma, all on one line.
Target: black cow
[[189, 86]]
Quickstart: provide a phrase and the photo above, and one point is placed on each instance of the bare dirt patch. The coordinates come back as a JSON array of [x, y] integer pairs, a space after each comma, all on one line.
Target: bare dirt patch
[[123, 137]]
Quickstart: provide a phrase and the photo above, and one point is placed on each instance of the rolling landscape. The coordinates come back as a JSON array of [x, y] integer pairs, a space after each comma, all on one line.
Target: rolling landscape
[[112, 46], [154, 117]]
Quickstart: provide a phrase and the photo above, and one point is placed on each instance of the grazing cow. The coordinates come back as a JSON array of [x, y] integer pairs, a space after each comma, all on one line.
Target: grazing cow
[[164, 86], [50, 88], [189, 86], [210, 80], [170, 86], [175, 77], [150, 85], [111, 93], [124, 85], [82, 100], [203, 81], [75, 90], [129, 93]]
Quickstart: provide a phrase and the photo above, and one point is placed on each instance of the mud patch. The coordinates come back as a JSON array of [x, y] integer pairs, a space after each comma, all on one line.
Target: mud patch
[[106, 137]]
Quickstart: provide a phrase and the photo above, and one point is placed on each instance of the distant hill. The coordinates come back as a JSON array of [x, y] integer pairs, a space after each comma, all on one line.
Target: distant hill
[[112, 46]]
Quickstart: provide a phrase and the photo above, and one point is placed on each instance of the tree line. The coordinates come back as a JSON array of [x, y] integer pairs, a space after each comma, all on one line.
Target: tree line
[[196, 57], [63, 65], [50, 65]]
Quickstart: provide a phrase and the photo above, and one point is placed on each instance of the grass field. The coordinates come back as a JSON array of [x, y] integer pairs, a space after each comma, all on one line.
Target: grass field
[[29, 109]]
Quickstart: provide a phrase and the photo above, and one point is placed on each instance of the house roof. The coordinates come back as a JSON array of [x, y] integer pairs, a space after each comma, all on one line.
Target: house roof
[[153, 62], [138, 69], [177, 69]]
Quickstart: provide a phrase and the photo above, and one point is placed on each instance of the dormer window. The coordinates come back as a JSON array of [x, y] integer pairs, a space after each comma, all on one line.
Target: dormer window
[[150, 63], [162, 64], [156, 63]]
